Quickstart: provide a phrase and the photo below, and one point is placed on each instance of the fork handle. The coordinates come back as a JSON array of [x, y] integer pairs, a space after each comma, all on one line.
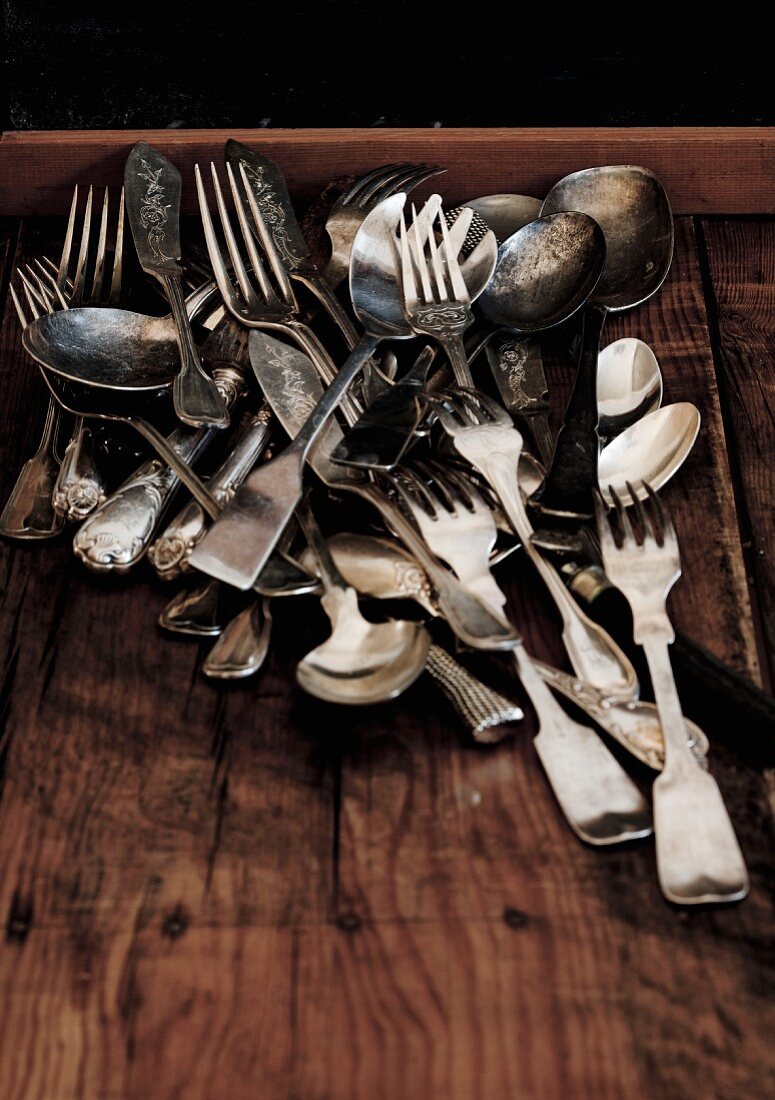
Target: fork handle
[[196, 397], [80, 487], [567, 491], [458, 360], [698, 855]]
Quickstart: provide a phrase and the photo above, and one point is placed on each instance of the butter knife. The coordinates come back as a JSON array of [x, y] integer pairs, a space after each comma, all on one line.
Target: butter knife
[[153, 188]]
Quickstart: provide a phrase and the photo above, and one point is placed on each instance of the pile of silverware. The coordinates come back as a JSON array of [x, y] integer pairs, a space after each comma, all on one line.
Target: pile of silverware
[[307, 362]]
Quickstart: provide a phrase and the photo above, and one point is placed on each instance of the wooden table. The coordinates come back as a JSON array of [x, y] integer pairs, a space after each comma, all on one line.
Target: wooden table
[[242, 893]]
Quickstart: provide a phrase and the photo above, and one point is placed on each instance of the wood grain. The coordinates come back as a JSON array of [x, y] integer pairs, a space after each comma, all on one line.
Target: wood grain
[[242, 892], [741, 257], [704, 169]]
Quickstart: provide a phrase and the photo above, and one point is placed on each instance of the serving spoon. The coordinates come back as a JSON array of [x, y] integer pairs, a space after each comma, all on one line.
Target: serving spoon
[[361, 662]]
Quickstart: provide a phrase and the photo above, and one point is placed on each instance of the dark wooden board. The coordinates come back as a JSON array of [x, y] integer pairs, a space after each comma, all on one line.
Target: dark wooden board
[[704, 169], [245, 893], [741, 260]]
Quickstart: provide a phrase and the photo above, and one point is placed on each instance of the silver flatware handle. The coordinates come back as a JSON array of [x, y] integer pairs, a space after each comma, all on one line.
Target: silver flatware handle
[[80, 486], [170, 552], [484, 712], [242, 647], [698, 855], [29, 511], [197, 399], [116, 536], [599, 800], [595, 656]]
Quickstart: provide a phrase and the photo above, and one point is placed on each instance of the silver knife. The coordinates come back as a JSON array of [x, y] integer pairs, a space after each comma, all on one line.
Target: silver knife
[[153, 187]]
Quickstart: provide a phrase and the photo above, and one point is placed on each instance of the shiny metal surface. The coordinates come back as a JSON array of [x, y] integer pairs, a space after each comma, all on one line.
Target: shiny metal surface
[[518, 369], [504, 213], [361, 662], [485, 436], [631, 208], [545, 272], [652, 450], [153, 187], [80, 487], [363, 196], [436, 299], [698, 857], [243, 645], [384, 570], [629, 385], [466, 614]]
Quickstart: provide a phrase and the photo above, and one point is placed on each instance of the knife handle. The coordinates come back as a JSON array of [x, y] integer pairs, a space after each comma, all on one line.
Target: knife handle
[[568, 489], [197, 399]]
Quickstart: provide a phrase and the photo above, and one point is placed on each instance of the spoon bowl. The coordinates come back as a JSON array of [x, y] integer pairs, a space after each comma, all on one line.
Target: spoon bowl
[[652, 450], [505, 214], [362, 662], [629, 385], [545, 272]]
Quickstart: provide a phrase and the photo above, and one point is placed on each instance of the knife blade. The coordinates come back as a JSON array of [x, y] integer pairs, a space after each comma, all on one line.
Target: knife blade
[[152, 189]]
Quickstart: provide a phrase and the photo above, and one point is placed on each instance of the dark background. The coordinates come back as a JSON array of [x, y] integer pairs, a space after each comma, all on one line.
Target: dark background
[[77, 64]]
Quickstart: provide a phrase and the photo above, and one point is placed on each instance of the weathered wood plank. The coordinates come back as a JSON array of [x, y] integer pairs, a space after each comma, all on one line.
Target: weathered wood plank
[[741, 257], [705, 169], [434, 830], [131, 783]]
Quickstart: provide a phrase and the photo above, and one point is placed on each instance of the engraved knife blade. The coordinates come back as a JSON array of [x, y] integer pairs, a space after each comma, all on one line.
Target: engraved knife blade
[[152, 187]]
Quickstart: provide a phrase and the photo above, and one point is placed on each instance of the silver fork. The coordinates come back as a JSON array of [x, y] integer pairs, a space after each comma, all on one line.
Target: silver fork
[[246, 288], [455, 521], [436, 299], [485, 436], [698, 855], [80, 487], [358, 200]]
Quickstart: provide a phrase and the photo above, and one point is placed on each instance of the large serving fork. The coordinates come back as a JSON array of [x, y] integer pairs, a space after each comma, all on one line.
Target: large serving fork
[[698, 855], [241, 273], [363, 196], [485, 436]]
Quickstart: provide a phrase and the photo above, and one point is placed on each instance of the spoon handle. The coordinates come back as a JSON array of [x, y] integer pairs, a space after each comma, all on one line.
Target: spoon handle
[[483, 711], [80, 486], [567, 492], [197, 399], [29, 511]]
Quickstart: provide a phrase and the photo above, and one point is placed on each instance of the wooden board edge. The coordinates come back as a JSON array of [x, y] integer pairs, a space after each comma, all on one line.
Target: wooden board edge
[[705, 170]]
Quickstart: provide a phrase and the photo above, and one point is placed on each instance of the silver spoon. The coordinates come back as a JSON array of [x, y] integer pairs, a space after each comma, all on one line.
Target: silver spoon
[[361, 662], [504, 213], [384, 570], [652, 451], [631, 208], [629, 385]]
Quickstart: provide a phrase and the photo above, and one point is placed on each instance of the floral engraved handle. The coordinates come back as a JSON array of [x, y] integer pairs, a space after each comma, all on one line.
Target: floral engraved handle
[[117, 535]]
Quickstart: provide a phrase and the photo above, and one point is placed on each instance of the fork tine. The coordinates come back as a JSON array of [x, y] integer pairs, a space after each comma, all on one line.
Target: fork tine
[[267, 241], [31, 296], [604, 531], [231, 241], [447, 411], [435, 486], [407, 271], [50, 282], [418, 245], [76, 298], [459, 289], [64, 262], [438, 270], [625, 526], [114, 294], [248, 291], [211, 241], [19, 311], [413, 492], [454, 481], [43, 293], [362, 189], [409, 180], [99, 263], [667, 530]]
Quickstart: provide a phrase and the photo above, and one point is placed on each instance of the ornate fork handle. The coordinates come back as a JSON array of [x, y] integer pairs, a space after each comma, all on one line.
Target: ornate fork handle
[[446, 323], [80, 487], [117, 535]]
